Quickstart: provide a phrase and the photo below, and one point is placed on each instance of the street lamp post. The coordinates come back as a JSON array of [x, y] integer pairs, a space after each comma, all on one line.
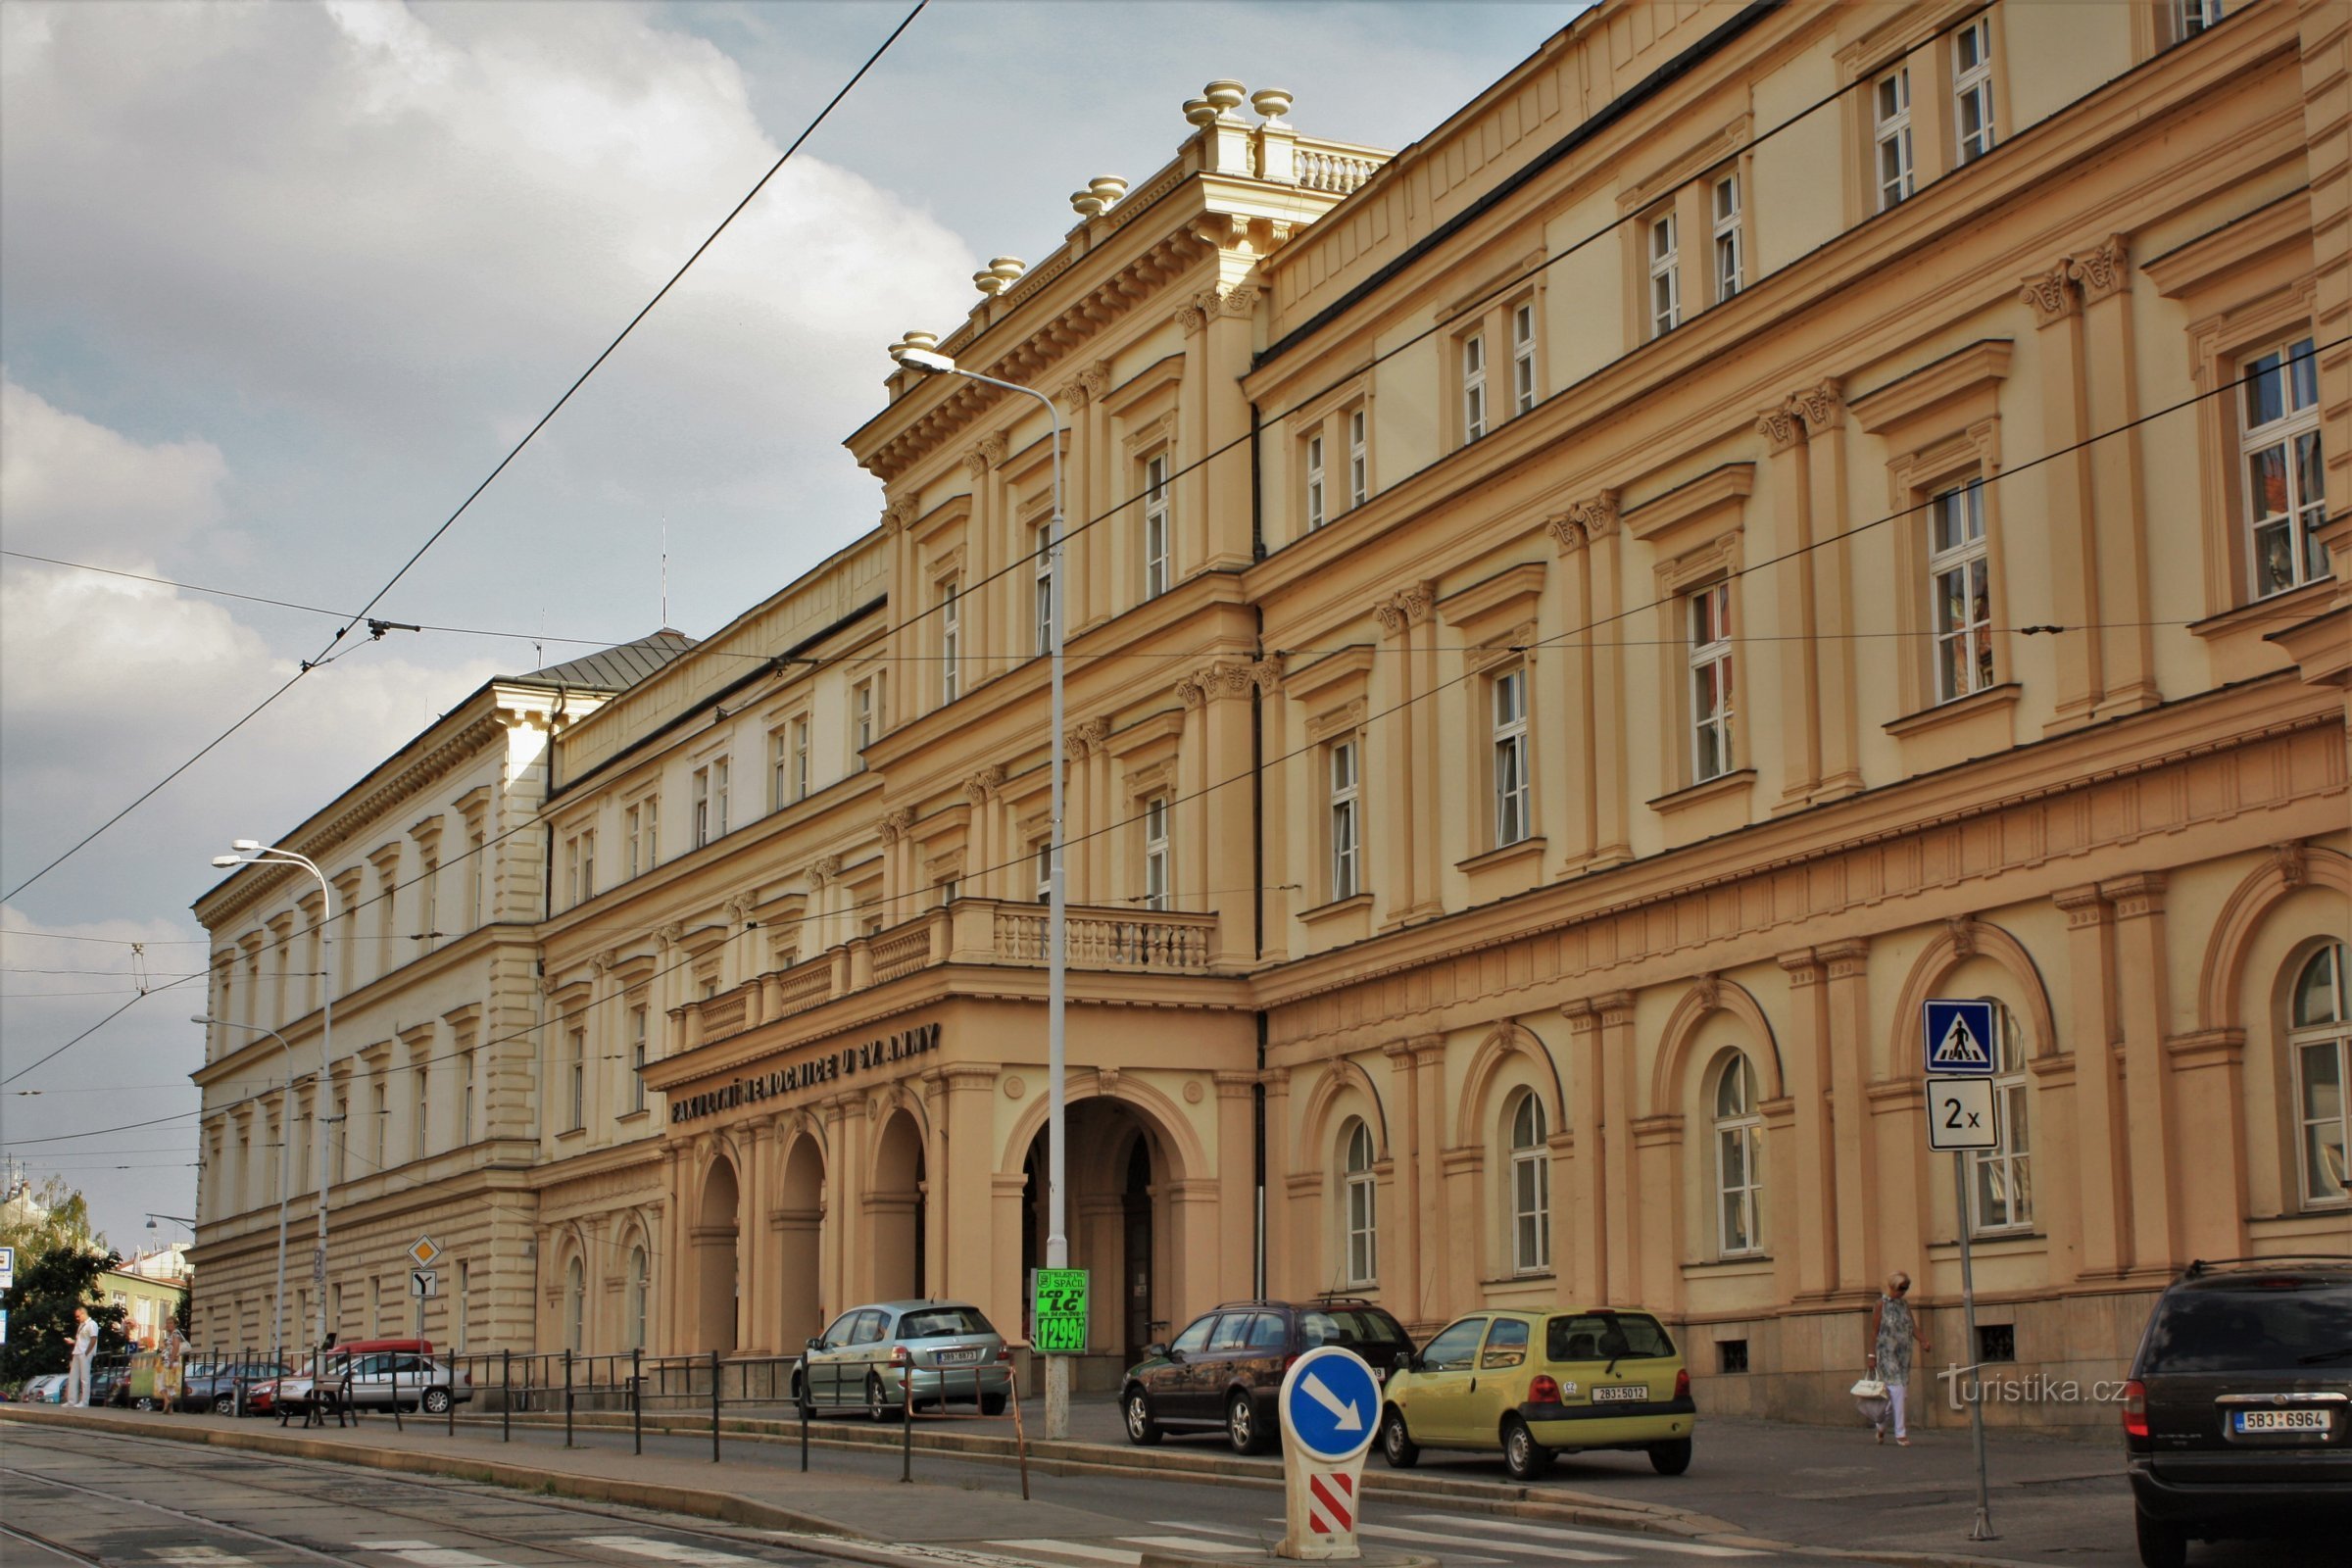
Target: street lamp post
[[252, 851], [1058, 1237], [285, 1176]]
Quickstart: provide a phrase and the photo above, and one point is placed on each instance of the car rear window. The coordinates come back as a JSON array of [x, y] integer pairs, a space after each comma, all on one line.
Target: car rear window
[[937, 1322], [2260, 1325], [1345, 1325], [1606, 1336]]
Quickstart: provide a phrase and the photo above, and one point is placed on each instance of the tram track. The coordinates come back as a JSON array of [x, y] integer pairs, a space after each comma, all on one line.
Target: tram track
[[111, 1452]]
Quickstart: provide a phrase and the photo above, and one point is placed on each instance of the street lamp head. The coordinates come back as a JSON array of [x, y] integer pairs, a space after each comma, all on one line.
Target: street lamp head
[[927, 360], [246, 846], [224, 861]]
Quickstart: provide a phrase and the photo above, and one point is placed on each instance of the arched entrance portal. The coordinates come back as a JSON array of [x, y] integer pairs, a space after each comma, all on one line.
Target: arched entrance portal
[[800, 1222], [715, 1272], [895, 1211], [1120, 1179]]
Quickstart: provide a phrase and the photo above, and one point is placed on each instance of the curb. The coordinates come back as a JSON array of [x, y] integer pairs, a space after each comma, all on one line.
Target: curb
[[724, 1506]]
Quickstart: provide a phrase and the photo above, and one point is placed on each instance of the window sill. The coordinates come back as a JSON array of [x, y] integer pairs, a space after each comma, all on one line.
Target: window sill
[[2268, 613], [1337, 906], [1737, 781], [1532, 1277], [2021, 1241], [634, 1115], [1756, 1261], [571, 1133], [2004, 695], [1525, 849]]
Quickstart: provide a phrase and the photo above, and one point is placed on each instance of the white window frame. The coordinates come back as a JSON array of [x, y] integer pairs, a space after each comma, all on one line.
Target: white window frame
[[719, 795], [468, 1063], [587, 872], [2312, 1039], [1531, 1186], [1893, 174], [421, 1128], [630, 827], [575, 1079], [1972, 90], [2291, 433], [779, 768], [571, 872], [429, 895], [1731, 260], [1041, 860], [1522, 357], [1360, 1211], [478, 855], [1739, 1172], [1359, 456], [637, 1039], [1157, 526], [1714, 704], [1040, 589], [1314, 482], [2009, 1166], [951, 640], [700, 810], [798, 729], [1514, 792], [1345, 772], [1663, 236], [1958, 562], [866, 718], [1474, 386], [1158, 894], [2192, 17]]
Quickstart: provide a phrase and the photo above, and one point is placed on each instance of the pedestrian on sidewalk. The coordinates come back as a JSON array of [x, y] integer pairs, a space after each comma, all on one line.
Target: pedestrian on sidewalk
[[85, 1351], [1893, 1332]]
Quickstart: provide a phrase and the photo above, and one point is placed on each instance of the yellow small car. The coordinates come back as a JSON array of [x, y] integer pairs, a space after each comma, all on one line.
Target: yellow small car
[[1541, 1383]]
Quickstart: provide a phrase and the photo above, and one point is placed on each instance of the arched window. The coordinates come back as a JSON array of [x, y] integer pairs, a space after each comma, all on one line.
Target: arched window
[[2322, 1040], [1530, 1187], [1362, 1206], [575, 1304], [2001, 1194], [1739, 1165], [640, 1287]]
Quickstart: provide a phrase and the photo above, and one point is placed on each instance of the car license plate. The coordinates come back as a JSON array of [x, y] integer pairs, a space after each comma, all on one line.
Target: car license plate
[[2280, 1420], [957, 1357], [1621, 1393]]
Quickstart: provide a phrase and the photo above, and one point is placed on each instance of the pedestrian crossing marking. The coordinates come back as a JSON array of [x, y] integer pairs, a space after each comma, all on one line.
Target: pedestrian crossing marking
[[1214, 1530], [661, 1550], [424, 1554], [1528, 1549], [1679, 1548], [1184, 1543], [197, 1558], [1075, 1548]]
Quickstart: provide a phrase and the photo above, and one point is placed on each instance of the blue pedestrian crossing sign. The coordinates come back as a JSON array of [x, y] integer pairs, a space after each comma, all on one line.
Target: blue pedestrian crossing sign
[[1959, 1038], [1330, 1404]]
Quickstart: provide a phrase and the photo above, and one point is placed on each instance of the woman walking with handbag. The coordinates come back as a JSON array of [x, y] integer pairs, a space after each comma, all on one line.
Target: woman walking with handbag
[[1893, 1332]]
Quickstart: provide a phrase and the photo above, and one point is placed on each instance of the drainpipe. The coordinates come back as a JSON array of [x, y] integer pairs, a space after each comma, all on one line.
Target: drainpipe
[[1258, 492], [1257, 877], [1257, 1110]]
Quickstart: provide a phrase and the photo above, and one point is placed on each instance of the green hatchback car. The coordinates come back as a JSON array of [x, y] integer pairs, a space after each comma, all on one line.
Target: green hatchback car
[[1542, 1383]]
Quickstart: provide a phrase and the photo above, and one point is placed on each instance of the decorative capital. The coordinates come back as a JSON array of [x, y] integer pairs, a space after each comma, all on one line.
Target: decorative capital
[[2103, 272], [895, 823], [900, 513], [1407, 606], [1822, 405], [2085, 906], [1085, 736], [1094, 379], [739, 909], [2135, 897], [604, 961], [1803, 966], [2047, 292], [1845, 961], [1962, 928], [1780, 428], [1267, 673], [1191, 318], [823, 870], [2293, 861], [671, 934], [1564, 534], [1709, 992], [983, 785], [1597, 516]]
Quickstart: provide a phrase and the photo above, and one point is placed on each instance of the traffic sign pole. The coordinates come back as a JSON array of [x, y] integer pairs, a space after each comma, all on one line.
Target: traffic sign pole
[[1963, 1115], [1983, 1528]]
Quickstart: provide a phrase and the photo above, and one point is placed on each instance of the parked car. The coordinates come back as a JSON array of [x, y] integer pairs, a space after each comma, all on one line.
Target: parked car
[[884, 1354], [47, 1389], [262, 1398], [2237, 1418], [213, 1384], [377, 1381], [1225, 1369], [1542, 1383], [109, 1382]]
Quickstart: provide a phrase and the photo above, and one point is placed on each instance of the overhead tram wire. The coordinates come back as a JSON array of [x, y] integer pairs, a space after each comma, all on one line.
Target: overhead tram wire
[[327, 653]]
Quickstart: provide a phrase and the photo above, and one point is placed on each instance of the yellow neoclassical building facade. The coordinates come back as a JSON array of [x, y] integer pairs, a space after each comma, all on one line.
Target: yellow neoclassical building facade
[[1576, 631]]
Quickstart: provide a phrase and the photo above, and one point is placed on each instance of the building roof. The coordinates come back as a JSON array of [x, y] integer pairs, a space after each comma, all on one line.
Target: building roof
[[616, 668]]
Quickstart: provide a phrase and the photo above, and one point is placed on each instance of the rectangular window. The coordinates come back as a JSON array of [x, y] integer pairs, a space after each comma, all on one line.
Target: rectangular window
[[1665, 276], [1512, 794], [575, 1081], [342, 1136], [1041, 590], [798, 732], [587, 866], [2001, 1195], [1522, 357], [1892, 115], [701, 808], [1729, 264], [1710, 615], [779, 769], [1972, 88], [420, 1131], [718, 798], [1314, 482], [1155, 527], [632, 839], [571, 872], [1347, 821], [951, 641], [378, 1114], [2286, 494], [1958, 579], [1474, 386], [1041, 861], [1359, 464], [428, 890], [1156, 853], [866, 718], [2192, 17], [653, 831], [636, 1058], [466, 1071], [477, 870]]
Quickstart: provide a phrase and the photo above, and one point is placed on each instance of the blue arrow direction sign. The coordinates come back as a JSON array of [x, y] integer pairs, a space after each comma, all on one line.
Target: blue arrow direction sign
[[1958, 1036], [1330, 1404]]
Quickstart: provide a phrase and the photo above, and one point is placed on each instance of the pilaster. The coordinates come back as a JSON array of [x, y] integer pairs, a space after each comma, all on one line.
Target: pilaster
[[1846, 1006], [2103, 1199], [2151, 1118], [2068, 508], [1812, 1172], [1822, 407], [2103, 277]]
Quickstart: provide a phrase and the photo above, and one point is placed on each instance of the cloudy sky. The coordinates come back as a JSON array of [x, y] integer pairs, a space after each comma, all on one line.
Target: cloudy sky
[[283, 282]]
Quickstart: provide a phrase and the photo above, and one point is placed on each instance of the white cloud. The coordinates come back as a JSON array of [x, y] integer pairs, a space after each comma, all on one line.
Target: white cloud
[[74, 487]]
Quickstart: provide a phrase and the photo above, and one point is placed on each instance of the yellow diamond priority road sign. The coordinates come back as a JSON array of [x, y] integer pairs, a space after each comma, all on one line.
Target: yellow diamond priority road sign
[[424, 1252]]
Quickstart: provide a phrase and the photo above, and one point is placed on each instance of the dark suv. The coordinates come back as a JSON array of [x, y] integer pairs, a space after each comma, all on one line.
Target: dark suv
[[1225, 1369], [2237, 1420]]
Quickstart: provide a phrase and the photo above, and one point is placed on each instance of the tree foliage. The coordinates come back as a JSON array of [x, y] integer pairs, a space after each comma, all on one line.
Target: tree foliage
[[59, 1258]]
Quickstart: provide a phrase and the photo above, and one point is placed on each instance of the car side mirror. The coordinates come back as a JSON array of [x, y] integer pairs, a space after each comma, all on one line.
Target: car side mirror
[[1156, 1352], [1412, 1361], [1175, 1355], [817, 1341]]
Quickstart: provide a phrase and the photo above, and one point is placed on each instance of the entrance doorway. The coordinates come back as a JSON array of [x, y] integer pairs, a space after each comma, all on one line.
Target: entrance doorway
[[895, 1211], [717, 1274], [799, 1223], [1119, 1173]]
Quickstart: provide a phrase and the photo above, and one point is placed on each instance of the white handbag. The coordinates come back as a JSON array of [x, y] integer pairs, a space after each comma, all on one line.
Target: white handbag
[[1868, 1389]]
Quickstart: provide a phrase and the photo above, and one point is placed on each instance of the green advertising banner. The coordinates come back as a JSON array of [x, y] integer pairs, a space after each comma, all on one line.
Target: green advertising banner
[[1058, 1309]]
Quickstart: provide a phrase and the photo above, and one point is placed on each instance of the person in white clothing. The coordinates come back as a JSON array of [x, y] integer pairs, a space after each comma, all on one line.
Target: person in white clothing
[[85, 1351]]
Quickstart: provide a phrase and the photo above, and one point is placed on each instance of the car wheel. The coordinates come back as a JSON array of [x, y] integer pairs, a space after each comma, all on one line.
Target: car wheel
[[1670, 1458], [1522, 1455], [436, 1402], [2161, 1544], [1397, 1445], [143, 1405], [877, 1402], [1241, 1426], [224, 1404], [1141, 1430], [992, 1404]]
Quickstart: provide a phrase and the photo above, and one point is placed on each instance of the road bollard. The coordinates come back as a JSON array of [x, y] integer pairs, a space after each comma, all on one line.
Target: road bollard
[[807, 1402], [567, 1397], [506, 1395], [907, 1425], [237, 1381], [396, 1426], [637, 1395], [457, 1366], [1020, 1436], [715, 1375]]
